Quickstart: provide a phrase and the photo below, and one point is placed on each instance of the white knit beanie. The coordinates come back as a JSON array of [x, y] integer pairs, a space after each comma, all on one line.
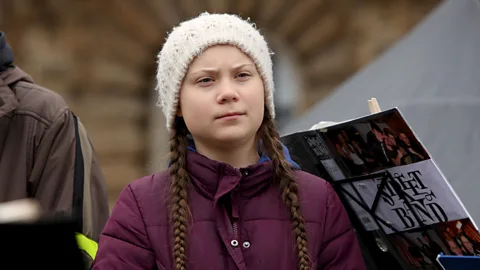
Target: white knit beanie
[[191, 38]]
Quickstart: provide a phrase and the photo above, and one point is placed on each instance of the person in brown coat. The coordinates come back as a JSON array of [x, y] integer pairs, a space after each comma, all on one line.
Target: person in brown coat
[[45, 154]]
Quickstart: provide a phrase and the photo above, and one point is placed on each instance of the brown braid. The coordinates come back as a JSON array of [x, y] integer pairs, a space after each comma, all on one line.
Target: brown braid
[[180, 212], [283, 177]]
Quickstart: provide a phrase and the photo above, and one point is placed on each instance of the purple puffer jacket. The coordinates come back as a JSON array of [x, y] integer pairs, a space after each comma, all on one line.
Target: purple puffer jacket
[[138, 235]]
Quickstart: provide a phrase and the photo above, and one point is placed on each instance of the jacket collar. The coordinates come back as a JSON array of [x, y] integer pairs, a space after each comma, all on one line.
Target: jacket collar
[[9, 74], [214, 179], [8, 99]]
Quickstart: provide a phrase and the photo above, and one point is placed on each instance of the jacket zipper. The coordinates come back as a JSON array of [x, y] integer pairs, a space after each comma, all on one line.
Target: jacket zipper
[[235, 229], [235, 214]]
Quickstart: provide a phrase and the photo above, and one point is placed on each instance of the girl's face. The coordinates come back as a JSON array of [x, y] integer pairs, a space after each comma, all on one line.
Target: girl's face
[[222, 97]]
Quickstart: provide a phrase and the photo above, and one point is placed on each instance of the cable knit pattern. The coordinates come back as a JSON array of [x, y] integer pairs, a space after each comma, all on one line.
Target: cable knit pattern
[[191, 38]]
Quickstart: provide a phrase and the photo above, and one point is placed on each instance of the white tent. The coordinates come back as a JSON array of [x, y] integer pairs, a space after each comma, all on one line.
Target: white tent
[[433, 76]]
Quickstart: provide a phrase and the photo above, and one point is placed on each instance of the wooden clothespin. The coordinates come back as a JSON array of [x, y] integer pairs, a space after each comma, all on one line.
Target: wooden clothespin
[[373, 105]]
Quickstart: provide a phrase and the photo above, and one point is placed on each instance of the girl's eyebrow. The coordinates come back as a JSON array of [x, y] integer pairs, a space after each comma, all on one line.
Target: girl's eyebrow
[[217, 70], [208, 70]]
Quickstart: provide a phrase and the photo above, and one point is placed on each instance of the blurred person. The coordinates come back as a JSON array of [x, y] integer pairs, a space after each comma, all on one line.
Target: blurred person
[[393, 152], [411, 147], [470, 246], [348, 153], [231, 197], [417, 255], [452, 238], [376, 143], [365, 155], [430, 248], [431, 245], [45, 154], [454, 248]]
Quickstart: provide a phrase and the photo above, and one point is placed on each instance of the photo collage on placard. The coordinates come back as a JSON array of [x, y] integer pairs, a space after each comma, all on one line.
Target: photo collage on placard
[[375, 143], [421, 247], [460, 237], [416, 192], [417, 209]]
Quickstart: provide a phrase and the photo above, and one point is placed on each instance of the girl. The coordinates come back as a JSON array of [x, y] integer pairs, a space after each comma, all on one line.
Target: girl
[[231, 197]]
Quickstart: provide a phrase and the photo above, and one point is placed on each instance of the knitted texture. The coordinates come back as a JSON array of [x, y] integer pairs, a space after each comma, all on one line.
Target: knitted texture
[[190, 38]]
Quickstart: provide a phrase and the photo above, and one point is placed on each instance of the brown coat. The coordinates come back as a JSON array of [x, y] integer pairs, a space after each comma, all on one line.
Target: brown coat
[[45, 154]]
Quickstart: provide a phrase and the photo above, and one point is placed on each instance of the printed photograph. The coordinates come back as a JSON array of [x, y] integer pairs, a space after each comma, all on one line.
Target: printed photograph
[[460, 237], [375, 143], [420, 248]]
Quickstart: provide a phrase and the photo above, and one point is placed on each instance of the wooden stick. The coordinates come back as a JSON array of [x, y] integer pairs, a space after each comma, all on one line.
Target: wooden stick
[[377, 107], [373, 106], [370, 107]]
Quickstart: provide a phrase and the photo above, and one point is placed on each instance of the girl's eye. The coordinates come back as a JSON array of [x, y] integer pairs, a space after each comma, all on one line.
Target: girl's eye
[[205, 80], [243, 75]]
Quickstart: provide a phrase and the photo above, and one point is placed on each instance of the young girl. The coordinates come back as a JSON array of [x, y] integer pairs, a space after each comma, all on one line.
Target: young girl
[[231, 197]]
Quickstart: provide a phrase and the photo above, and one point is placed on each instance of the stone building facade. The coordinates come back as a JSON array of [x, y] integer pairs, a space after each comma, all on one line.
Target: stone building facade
[[100, 55]]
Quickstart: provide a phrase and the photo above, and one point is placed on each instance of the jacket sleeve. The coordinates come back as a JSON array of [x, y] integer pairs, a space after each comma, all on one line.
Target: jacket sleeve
[[66, 179], [340, 249], [124, 243]]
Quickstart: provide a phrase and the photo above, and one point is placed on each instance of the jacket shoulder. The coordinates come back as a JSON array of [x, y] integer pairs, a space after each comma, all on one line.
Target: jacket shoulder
[[309, 182], [153, 183], [314, 194], [150, 193], [39, 102]]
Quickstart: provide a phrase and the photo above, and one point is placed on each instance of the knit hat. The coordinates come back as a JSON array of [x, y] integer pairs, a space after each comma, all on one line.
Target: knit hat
[[189, 39]]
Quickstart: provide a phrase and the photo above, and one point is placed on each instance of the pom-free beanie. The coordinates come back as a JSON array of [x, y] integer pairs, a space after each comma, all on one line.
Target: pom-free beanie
[[190, 38]]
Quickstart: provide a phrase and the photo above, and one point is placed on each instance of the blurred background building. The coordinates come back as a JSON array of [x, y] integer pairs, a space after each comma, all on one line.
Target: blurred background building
[[100, 56]]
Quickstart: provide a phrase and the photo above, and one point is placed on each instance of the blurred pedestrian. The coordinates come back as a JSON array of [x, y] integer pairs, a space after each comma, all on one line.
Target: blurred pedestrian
[[45, 154]]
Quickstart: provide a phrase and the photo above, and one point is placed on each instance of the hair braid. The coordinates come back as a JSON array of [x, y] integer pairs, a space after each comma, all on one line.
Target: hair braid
[[284, 179], [178, 191]]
